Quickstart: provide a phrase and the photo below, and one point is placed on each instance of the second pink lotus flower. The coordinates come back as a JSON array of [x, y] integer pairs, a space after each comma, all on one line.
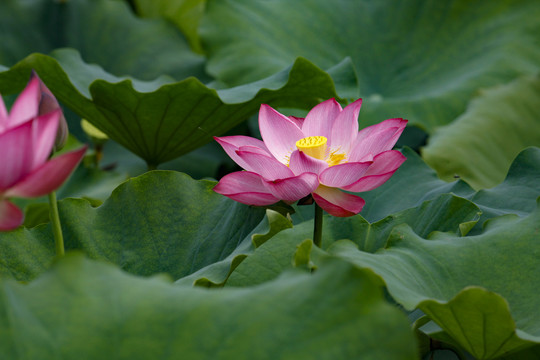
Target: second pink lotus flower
[[318, 155], [28, 134]]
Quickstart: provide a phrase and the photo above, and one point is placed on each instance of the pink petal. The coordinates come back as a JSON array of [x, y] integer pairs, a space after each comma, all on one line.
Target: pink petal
[[320, 119], [389, 123], [338, 203], [370, 182], [47, 104], [48, 177], [293, 188], [3, 116], [245, 187], [232, 143], [384, 166], [27, 104], [279, 133], [44, 133], [17, 156], [255, 150], [375, 143], [343, 174], [302, 163], [11, 217], [264, 165], [297, 120], [345, 127], [387, 161]]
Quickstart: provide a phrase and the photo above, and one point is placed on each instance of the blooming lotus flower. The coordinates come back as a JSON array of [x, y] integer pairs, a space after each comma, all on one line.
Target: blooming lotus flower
[[320, 155], [27, 138]]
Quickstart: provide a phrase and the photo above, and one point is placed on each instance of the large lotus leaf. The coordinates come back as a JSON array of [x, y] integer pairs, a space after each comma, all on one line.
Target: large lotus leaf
[[86, 309], [416, 59], [105, 32], [481, 290], [446, 213], [185, 14], [415, 182], [159, 121], [489, 315], [216, 274], [481, 144], [162, 221]]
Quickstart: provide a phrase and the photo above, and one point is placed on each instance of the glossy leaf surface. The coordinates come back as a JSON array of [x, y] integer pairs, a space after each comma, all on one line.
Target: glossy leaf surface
[[336, 313]]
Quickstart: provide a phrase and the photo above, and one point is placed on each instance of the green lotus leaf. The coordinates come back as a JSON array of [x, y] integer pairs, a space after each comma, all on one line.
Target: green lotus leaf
[[446, 213], [162, 221], [489, 314], [104, 32], [87, 309], [216, 274], [484, 141], [415, 182], [159, 120], [185, 14], [481, 290], [416, 59]]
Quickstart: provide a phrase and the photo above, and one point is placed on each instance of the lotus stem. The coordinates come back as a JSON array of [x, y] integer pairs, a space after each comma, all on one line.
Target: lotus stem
[[317, 225], [56, 226]]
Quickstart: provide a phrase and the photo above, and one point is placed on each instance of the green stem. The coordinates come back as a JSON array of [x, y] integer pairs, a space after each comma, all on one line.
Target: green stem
[[317, 225], [55, 222]]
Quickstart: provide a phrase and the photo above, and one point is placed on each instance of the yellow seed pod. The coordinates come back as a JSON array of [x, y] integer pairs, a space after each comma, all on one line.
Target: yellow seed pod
[[314, 146]]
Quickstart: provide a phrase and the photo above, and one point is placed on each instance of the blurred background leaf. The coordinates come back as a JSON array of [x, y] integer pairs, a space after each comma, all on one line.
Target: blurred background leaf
[[103, 31], [185, 14], [339, 312], [484, 141], [421, 60], [415, 182], [482, 289]]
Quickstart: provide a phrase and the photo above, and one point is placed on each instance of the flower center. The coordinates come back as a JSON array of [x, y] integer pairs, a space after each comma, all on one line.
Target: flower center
[[314, 146]]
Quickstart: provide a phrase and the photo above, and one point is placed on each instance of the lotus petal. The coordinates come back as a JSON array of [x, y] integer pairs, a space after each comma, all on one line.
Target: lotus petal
[[338, 203], [279, 133], [245, 187], [3, 116], [11, 217], [266, 166], [27, 104], [375, 143], [17, 157], [344, 174], [302, 163], [345, 127], [232, 143], [388, 123], [320, 119], [293, 188], [44, 133], [48, 177]]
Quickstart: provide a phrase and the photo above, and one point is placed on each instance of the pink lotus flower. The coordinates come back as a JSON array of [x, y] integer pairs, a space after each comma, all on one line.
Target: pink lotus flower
[[27, 138], [318, 155]]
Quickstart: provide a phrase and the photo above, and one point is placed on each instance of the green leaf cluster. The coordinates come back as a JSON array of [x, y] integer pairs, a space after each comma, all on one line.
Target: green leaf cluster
[[160, 266]]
